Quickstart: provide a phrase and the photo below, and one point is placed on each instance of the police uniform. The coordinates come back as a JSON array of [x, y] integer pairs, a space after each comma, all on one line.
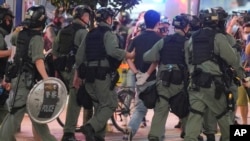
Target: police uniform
[[8, 129], [31, 45], [73, 109], [104, 99], [167, 57], [203, 98], [3, 46], [210, 122]]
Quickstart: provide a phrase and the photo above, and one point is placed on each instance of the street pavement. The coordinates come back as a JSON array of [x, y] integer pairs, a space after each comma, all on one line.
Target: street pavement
[[171, 134]]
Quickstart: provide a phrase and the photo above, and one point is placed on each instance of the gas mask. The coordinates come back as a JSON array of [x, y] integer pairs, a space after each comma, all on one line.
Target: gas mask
[[7, 24]]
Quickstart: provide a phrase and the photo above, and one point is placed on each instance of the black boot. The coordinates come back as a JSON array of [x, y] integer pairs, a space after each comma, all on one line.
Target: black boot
[[182, 135], [69, 137], [97, 138], [89, 132]]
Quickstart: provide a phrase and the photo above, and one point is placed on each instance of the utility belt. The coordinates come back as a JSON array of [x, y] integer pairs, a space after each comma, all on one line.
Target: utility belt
[[97, 72], [31, 75], [171, 76], [202, 79], [64, 63]]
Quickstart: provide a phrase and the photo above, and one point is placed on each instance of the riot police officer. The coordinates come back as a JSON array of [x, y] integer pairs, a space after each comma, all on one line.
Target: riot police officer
[[28, 60], [101, 55], [210, 122], [6, 23], [64, 49], [169, 52], [204, 52]]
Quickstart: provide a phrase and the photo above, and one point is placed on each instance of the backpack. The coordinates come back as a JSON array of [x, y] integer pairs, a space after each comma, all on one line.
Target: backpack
[[66, 38]]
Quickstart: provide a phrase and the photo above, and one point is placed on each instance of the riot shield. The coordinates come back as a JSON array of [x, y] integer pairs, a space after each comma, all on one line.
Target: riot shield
[[46, 100]]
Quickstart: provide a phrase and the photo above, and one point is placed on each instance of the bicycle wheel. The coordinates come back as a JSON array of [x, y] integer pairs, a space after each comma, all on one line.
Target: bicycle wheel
[[126, 105]]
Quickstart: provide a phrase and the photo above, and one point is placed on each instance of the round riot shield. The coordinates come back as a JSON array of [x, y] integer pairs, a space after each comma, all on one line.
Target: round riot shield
[[46, 100]]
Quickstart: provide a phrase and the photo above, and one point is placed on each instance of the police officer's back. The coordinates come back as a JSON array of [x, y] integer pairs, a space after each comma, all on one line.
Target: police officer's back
[[203, 54], [100, 54], [6, 23], [66, 45], [27, 69], [169, 53]]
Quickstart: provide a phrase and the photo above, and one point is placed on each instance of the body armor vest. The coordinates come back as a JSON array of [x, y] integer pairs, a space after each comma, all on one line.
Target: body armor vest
[[3, 61], [203, 46], [173, 49], [22, 49], [66, 38], [95, 49]]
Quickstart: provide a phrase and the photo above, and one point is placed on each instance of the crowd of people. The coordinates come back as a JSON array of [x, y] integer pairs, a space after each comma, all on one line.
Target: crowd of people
[[205, 58]]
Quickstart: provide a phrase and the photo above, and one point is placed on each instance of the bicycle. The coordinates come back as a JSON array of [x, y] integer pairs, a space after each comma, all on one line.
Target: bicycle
[[126, 106]]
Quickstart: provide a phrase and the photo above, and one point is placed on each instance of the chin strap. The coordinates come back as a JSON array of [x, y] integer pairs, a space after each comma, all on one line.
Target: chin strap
[[87, 24]]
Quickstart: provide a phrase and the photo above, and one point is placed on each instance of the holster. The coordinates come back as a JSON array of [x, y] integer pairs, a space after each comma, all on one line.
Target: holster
[[165, 76], [60, 63], [177, 77], [93, 73], [11, 72], [202, 79], [174, 76], [70, 61], [82, 71], [64, 63], [114, 79], [90, 74], [30, 76], [219, 89]]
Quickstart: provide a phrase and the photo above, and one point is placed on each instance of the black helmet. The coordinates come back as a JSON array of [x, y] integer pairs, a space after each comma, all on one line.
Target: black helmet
[[210, 17], [103, 13], [181, 21], [80, 10], [124, 17], [35, 16], [222, 14], [5, 12], [195, 23]]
